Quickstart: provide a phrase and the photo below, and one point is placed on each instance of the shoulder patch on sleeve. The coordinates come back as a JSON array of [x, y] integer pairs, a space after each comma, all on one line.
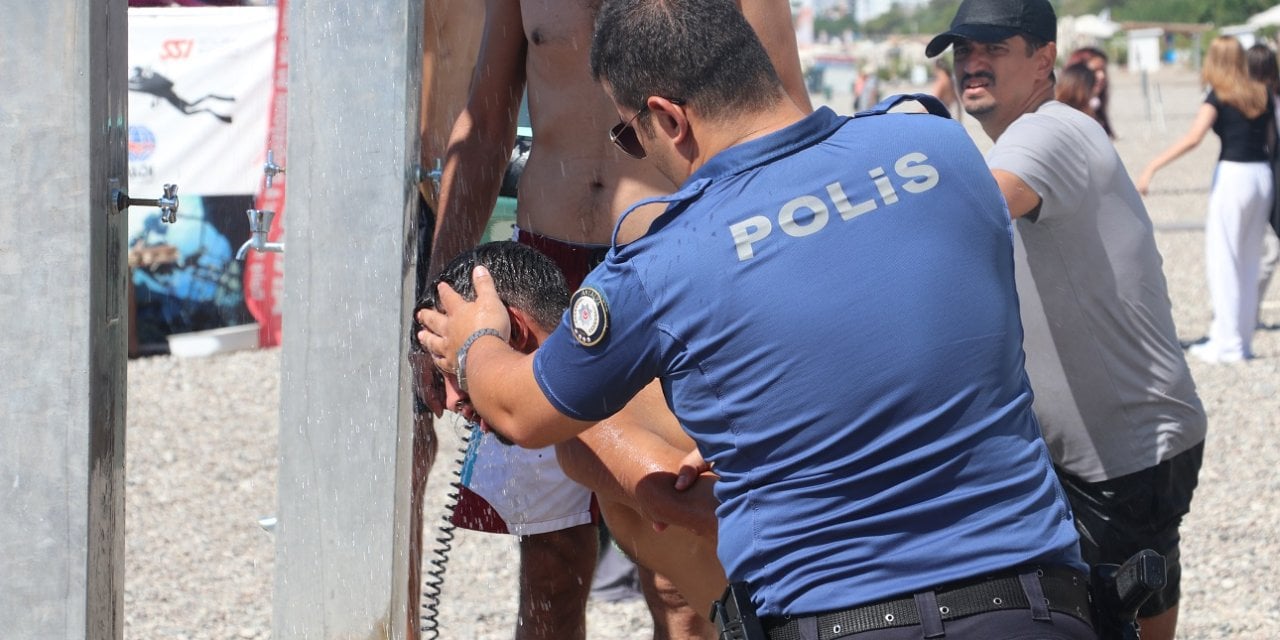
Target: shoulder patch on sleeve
[[590, 316]]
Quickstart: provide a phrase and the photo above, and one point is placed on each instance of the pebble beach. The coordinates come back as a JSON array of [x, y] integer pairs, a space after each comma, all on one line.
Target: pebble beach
[[201, 453]]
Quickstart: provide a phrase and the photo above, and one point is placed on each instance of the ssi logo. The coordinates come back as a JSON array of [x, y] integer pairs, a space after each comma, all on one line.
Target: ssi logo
[[142, 143], [176, 49]]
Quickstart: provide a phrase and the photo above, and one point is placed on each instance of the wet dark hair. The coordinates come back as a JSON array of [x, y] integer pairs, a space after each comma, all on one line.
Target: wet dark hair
[[524, 278], [700, 51]]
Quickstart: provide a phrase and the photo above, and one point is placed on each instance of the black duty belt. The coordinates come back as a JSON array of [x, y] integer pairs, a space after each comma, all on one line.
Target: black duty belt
[[1065, 591]]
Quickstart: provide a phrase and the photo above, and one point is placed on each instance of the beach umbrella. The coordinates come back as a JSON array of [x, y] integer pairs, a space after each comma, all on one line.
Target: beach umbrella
[[1268, 18], [1095, 26]]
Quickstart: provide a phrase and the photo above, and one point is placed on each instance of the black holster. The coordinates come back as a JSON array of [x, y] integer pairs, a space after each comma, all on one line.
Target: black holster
[[1119, 590], [735, 616]]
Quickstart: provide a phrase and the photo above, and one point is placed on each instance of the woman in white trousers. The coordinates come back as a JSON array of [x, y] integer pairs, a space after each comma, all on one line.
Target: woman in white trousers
[[1240, 111]]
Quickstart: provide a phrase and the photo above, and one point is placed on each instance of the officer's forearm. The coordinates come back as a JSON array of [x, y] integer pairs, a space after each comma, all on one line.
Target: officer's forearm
[[502, 388]]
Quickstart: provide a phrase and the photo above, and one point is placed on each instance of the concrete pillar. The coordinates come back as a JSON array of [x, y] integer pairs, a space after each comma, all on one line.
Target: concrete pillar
[[342, 559], [63, 329]]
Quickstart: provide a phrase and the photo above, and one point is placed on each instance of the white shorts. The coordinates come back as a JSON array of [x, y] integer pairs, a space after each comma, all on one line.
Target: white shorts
[[510, 489]]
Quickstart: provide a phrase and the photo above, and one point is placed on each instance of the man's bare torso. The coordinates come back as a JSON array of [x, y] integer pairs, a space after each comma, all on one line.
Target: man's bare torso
[[575, 183]]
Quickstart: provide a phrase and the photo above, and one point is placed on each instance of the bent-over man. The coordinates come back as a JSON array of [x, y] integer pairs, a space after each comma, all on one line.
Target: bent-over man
[[632, 497]]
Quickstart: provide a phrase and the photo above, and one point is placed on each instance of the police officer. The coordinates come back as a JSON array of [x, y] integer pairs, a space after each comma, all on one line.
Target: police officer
[[829, 305]]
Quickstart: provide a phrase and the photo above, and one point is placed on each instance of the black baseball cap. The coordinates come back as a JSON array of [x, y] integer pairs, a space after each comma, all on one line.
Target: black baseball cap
[[996, 20]]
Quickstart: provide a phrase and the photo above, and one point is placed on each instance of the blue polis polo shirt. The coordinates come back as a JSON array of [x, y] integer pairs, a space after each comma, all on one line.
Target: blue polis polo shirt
[[831, 311]]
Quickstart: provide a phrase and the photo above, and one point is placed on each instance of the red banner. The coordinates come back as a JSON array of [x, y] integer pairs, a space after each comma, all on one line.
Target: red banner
[[264, 272]]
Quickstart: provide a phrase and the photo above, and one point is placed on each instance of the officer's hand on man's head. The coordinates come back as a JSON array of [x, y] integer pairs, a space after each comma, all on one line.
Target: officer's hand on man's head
[[454, 319]]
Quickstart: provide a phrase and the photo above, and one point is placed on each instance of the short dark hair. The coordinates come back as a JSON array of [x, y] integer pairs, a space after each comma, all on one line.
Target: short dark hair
[[524, 278], [1034, 44], [700, 51]]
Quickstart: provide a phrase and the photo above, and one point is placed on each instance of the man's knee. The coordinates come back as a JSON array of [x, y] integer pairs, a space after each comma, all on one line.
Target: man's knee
[[674, 618], [557, 566], [555, 580]]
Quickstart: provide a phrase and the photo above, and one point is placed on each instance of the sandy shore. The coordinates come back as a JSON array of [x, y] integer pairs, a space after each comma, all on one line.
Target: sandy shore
[[202, 456]]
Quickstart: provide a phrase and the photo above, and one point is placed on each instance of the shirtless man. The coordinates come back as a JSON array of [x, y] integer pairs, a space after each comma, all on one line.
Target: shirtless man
[[574, 184]]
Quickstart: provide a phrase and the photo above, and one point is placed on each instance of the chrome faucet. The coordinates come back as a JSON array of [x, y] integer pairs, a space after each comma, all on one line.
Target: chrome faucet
[[260, 219], [259, 226], [270, 168]]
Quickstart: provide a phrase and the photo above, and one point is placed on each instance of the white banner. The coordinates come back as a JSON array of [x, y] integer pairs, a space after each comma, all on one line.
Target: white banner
[[199, 91]]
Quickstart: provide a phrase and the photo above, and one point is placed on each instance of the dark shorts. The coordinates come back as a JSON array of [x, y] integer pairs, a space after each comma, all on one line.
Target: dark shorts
[[575, 260], [1119, 517]]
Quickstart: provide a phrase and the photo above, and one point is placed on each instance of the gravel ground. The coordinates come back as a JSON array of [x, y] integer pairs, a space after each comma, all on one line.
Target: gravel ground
[[202, 459]]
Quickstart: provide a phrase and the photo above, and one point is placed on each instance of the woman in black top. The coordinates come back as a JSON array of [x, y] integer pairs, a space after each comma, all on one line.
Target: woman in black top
[[1241, 112]]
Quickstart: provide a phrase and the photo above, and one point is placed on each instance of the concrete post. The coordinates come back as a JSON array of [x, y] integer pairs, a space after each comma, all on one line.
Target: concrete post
[[342, 559], [63, 330]]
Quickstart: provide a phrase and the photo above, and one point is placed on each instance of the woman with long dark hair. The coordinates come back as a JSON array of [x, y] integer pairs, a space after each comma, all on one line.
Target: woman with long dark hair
[[1240, 110], [1096, 60], [1263, 68], [1075, 88]]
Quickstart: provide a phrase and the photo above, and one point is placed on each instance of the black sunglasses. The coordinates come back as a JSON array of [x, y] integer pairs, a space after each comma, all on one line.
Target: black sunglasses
[[623, 134]]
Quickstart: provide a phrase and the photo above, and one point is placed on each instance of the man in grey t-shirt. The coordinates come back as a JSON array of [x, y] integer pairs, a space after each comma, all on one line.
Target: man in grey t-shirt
[[1113, 393]]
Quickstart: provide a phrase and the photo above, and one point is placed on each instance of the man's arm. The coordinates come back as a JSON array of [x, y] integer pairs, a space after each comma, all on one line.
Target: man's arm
[[450, 42], [630, 462], [771, 20], [1020, 197], [634, 457], [482, 137]]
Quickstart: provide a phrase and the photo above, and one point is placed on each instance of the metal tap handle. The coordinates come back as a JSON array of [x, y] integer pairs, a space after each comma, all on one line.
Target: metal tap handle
[[260, 220], [422, 175], [271, 168], [436, 174], [168, 203]]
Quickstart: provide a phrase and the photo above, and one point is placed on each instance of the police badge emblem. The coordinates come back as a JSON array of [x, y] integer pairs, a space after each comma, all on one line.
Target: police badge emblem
[[590, 316]]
